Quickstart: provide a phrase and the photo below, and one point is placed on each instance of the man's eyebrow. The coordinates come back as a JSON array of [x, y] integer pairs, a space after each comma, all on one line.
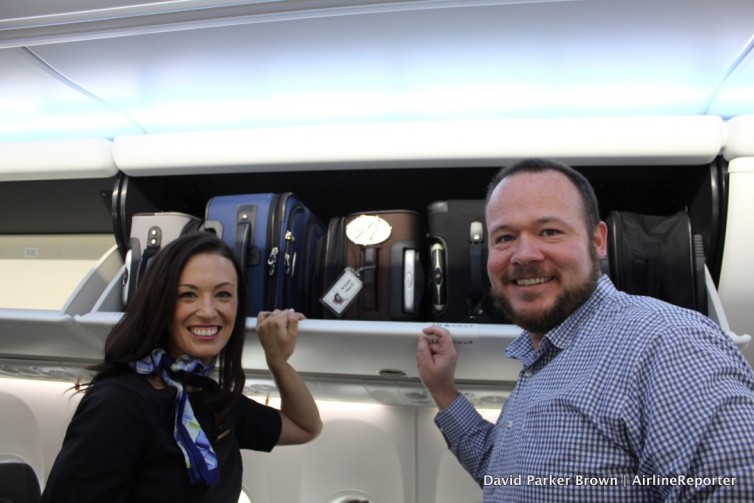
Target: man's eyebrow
[[539, 221]]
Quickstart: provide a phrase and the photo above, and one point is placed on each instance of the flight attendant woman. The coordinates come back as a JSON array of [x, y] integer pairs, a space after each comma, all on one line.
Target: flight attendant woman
[[163, 418]]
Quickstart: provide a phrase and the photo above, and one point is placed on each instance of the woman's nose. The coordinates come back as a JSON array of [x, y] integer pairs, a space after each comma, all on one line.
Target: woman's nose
[[207, 307]]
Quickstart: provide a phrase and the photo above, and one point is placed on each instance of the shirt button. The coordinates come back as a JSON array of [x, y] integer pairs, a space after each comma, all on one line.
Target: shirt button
[[509, 424], [528, 373]]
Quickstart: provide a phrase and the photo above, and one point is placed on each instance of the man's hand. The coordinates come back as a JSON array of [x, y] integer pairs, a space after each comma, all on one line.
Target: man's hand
[[436, 358]]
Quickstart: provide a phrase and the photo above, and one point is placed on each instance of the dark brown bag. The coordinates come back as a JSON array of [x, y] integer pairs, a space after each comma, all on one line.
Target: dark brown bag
[[372, 266]]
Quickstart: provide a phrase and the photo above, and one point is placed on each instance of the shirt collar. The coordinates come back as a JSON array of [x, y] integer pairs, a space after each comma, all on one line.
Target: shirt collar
[[563, 335]]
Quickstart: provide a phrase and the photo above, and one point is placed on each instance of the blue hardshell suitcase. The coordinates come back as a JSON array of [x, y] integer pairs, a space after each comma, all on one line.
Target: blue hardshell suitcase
[[275, 237]]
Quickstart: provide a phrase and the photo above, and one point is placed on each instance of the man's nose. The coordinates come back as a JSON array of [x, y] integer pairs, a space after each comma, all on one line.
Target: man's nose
[[527, 249]]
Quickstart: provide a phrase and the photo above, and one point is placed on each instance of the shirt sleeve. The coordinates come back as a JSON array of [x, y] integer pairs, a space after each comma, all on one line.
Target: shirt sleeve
[[101, 448], [700, 418], [468, 435], [257, 426]]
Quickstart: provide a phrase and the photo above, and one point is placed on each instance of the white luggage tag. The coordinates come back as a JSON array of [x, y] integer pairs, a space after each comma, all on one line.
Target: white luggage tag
[[343, 292], [368, 230], [364, 230]]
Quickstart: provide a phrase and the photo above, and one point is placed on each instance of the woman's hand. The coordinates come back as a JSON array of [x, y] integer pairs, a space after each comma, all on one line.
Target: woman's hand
[[277, 331]]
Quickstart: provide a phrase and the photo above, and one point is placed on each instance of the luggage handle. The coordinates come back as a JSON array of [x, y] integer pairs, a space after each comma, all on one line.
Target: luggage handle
[[248, 255], [213, 226], [477, 294], [409, 280], [134, 274], [654, 258], [130, 275], [437, 283], [476, 242], [368, 272]]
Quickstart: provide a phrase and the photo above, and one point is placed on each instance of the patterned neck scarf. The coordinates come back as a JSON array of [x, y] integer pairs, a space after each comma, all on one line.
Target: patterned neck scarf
[[201, 460]]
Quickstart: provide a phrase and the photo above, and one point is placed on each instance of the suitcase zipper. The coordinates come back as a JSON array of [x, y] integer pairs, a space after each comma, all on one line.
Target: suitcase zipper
[[289, 256], [279, 237], [273, 238]]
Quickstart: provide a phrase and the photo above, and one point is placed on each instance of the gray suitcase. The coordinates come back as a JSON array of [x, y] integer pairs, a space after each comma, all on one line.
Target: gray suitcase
[[149, 233]]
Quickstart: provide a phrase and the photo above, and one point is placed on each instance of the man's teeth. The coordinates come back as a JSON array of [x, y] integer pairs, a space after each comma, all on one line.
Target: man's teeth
[[531, 281], [204, 332]]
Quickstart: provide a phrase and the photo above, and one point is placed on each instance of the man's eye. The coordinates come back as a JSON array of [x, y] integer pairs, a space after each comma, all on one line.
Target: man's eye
[[550, 232]]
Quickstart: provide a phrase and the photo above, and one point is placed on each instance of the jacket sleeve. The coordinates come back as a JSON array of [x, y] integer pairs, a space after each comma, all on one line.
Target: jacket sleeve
[[257, 426], [101, 450]]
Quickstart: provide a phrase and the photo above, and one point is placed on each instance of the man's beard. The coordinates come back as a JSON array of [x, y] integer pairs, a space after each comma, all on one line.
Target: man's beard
[[565, 304]]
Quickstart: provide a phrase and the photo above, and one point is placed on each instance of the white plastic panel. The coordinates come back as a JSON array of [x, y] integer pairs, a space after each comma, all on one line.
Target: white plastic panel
[[737, 273], [43, 271], [56, 160], [739, 140], [46, 337], [525, 59], [39, 104], [46, 280], [583, 141], [364, 448], [440, 477], [89, 291], [734, 96], [39, 429], [19, 436], [365, 348]]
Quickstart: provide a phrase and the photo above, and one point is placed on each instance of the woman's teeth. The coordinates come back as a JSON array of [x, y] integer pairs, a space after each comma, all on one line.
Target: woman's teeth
[[204, 331]]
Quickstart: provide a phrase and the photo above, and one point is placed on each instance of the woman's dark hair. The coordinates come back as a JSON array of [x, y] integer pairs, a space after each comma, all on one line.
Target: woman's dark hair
[[536, 165], [146, 322]]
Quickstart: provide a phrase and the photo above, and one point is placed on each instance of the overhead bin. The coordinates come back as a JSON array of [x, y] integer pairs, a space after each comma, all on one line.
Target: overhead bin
[[357, 360], [47, 280]]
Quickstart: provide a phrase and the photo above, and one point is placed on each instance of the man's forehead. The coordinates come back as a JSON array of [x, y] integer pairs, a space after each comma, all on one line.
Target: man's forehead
[[547, 196], [525, 178]]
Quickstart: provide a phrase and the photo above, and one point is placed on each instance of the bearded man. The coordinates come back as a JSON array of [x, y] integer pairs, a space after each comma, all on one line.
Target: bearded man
[[620, 397]]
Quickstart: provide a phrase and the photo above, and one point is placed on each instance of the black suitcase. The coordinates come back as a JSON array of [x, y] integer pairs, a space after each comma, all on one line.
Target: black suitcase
[[372, 266], [275, 237], [150, 232], [458, 281], [657, 256]]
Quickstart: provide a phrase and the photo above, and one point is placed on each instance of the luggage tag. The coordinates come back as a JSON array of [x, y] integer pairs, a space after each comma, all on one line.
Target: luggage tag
[[364, 230], [343, 292]]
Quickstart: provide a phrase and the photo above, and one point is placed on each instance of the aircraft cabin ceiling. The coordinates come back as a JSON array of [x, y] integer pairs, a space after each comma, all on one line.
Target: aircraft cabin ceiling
[[102, 69]]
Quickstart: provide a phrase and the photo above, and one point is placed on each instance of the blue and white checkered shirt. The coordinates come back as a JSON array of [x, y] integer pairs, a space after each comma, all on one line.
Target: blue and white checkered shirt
[[629, 399]]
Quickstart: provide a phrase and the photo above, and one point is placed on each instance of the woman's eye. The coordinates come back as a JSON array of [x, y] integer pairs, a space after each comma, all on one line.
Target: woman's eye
[[186, 295]]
